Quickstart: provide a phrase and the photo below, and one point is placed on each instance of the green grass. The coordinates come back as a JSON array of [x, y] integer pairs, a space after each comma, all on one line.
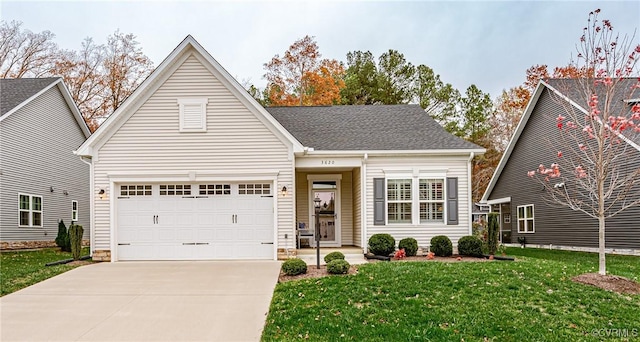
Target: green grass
[[532, 299], [19, 269]]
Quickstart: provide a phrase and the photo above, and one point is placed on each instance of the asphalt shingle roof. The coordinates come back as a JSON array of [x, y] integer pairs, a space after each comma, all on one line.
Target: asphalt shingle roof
[[370, 127], [15, 91]]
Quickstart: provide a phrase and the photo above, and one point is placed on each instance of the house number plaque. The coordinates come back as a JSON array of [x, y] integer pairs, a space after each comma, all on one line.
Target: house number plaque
[[328, 162]]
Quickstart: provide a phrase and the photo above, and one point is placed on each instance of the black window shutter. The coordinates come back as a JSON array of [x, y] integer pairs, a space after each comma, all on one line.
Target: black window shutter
[[378, 201], [452, 200]]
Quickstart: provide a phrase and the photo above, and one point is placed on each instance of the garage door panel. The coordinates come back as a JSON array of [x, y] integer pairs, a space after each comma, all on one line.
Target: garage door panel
[[206, 234], [223, 234], [174, 227], [167, 235]]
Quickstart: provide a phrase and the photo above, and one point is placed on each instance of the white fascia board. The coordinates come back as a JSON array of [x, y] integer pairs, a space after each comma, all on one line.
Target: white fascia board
[[583, 110], [514, 139], [499, 200], [25, 102], [74, 108]]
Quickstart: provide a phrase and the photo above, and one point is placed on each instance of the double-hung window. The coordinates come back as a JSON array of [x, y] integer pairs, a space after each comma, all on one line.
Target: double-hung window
[[525, 219], [415, 200], [29, 210], [399, 200], [431, 200]]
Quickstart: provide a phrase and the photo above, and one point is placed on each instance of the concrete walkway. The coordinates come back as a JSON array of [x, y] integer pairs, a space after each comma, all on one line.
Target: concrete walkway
[[144, 301]]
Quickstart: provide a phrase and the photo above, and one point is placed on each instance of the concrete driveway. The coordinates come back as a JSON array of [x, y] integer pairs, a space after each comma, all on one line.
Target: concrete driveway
[[144, 301]]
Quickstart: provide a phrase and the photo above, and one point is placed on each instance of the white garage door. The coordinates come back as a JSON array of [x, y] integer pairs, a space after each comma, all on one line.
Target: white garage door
[[209, 221]]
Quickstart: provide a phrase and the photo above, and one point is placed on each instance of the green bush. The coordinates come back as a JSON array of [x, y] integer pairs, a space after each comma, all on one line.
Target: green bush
[[492, 237], [294, 267], [382, 244], [333, 256], [338, 266], [410, 246], [62, 240], [75, 238], [441, 246], [470, 245]]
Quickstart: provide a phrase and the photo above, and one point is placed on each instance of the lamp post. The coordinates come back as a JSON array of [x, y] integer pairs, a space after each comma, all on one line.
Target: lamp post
[[316, 202]]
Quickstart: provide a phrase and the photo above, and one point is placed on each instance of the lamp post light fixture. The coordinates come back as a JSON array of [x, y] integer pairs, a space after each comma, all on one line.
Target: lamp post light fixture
[[316, 202]]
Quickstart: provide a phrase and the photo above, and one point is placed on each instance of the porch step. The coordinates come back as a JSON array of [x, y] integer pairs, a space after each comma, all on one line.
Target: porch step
[[353, 256]]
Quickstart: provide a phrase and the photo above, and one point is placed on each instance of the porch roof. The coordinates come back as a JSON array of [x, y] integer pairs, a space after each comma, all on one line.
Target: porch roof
[[367, 127]]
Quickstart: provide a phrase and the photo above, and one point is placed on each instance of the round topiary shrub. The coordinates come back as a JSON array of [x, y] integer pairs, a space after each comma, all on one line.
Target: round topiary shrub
[[410, 246], [294, 267], [470, 245], [333, 256], [338, 266], [441, 246], [382, 244]]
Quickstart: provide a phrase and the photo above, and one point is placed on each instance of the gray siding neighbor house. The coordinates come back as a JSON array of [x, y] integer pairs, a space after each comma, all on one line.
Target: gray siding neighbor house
[[518, 198], [41, 180]]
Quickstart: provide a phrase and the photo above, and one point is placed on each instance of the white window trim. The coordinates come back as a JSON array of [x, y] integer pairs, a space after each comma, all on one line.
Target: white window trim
[[525, 230], [415, 197], [74, 212], [30, 210], [202, 101]]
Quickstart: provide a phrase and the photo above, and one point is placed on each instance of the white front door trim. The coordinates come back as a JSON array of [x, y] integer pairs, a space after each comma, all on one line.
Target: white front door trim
[[338, 206]]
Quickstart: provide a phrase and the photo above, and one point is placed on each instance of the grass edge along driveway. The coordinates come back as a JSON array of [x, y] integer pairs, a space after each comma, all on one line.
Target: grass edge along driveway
[[20, 269], [530, 299]]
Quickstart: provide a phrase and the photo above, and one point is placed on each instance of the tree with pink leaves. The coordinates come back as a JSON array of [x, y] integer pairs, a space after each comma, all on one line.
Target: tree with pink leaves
[[598, 135]]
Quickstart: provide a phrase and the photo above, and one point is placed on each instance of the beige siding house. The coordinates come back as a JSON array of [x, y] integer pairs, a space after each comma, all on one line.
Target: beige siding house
[[191, 167]]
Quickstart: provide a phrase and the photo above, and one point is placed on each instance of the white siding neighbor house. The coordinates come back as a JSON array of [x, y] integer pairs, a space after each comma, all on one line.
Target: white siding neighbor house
[[41, 181], [191, 167]]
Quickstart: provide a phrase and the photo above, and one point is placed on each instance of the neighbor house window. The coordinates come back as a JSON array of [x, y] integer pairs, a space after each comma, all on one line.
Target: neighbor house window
[[193, 114], [525, 219], [74, 211], [29, 210], [431, 200], [399, 200]]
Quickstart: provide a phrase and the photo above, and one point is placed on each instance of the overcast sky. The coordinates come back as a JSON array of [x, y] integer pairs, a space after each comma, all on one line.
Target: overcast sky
[[489, 43]]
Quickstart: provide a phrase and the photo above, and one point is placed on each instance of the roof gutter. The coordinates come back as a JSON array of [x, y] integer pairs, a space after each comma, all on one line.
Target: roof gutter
[[359, 153]]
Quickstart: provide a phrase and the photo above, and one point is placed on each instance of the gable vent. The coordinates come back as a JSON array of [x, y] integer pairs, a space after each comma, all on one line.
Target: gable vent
[[193, 114]]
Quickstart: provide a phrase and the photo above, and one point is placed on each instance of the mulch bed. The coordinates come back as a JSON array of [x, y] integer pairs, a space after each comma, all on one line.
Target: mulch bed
[[313, 272], [609, 282]]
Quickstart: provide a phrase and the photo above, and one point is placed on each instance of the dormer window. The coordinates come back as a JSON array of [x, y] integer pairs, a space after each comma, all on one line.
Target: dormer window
[[193, 114]]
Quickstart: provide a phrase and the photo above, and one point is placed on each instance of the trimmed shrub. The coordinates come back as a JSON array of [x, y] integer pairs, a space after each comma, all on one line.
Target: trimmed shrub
[[441, 246], [382, 244], [62, 240], [492, 237], [338, 266], [470, 245], [410, 246], [75, 238], [294, 267], [333, 256]]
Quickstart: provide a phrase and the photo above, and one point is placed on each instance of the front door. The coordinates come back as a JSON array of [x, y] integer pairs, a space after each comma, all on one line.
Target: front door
[[327, 218]]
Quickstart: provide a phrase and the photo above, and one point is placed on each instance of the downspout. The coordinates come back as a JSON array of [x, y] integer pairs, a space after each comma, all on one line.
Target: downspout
[[469, 192], [91, 204], [363, 203]]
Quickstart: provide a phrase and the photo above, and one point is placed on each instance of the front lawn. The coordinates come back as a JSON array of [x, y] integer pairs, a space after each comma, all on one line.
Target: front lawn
[[19, 269], [532, 299]]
